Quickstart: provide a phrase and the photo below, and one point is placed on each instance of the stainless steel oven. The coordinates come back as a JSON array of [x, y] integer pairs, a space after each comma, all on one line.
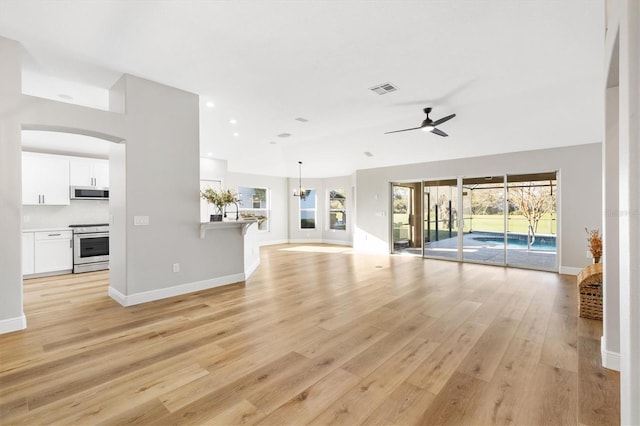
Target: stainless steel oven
[[90, 247]]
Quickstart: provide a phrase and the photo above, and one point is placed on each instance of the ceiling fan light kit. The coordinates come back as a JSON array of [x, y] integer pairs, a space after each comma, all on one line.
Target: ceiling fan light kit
[[428, 125]]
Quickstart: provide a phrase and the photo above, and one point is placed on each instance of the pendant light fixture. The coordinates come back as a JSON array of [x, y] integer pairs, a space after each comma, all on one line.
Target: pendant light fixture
[[300, 192]]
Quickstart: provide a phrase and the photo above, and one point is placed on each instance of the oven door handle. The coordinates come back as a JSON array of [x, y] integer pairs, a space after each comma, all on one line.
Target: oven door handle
[[92, 235]]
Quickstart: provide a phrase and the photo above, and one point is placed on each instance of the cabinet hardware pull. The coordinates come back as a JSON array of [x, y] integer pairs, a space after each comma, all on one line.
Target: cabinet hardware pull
[[54, 235]]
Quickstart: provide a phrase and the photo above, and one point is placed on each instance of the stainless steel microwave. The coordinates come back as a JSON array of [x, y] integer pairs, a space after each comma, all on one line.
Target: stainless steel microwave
[[88, 193]]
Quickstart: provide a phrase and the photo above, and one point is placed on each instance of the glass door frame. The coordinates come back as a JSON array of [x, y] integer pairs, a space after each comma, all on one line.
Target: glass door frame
[[505, 220], [460, 221], [457, 219]]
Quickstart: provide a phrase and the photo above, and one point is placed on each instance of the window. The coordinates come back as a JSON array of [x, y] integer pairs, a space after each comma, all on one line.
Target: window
[[338, 209], [308, 210], [254, 203]]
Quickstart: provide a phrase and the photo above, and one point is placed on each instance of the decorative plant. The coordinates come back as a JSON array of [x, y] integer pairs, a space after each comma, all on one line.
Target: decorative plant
[[229, 197], [595, 242], [259, 217], [220, 198]]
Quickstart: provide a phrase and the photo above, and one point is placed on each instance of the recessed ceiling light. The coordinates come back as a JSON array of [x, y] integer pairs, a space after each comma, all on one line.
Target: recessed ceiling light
[[64, 96], [210, 104], [236, 134], [272, 142], [233, 121], [302, 119], [368, 154], [209, 154], [284, 135]]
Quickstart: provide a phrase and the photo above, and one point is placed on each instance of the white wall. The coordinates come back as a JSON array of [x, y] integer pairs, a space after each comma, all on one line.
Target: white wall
[[78, 211], [11, 314], [162, 168], [610, 344], [213, 169], [624, 61], [579, 188]]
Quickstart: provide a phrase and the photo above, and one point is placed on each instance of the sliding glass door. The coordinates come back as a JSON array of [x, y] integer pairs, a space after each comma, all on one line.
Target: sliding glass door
[[406, 208], [484, 219], [440, 219], [531, 232]]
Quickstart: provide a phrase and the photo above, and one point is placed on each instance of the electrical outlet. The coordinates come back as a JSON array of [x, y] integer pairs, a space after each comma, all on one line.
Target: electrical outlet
[[140, 220], [176, 267], [26, 219]]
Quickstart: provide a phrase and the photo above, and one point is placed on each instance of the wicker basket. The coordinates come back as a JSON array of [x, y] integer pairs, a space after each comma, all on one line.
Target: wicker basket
[[590, 292]]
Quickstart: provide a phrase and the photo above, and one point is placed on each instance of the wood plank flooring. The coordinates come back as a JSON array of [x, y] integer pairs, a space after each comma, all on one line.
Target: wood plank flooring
[[318, 335]]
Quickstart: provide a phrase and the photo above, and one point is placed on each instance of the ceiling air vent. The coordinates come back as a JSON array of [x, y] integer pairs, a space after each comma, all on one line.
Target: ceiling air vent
[[302, 119], [384, 88]]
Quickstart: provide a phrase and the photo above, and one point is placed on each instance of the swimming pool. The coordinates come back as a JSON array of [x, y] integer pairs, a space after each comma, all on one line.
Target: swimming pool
[[541, 243]]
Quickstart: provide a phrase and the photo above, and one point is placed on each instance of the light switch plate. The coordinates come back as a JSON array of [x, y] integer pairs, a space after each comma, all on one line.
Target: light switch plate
[[140, 220]]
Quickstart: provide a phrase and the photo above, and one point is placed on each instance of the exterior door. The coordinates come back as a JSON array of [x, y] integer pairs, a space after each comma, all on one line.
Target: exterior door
[[440, 219]]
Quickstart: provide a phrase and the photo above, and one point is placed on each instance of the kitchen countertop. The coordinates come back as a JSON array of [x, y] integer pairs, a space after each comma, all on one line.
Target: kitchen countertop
[[59, 228]]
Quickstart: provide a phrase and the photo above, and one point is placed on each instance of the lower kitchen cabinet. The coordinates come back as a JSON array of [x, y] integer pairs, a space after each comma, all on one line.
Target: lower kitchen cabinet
[[51, 252]]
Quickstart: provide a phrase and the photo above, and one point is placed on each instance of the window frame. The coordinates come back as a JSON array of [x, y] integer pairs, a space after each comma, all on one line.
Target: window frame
[[313, 192], [265, 226], [344, 193]]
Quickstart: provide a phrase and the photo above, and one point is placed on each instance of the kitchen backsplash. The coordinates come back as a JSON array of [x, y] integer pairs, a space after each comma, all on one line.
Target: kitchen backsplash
[[78, 212]]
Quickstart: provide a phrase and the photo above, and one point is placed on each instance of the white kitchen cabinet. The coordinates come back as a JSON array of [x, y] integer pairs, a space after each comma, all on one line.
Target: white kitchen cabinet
[[27, 253], [89, 172], [52, 251], [45, 179]]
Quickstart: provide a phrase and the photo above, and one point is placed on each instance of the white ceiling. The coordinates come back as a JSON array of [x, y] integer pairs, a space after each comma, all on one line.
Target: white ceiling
[[519, 75]]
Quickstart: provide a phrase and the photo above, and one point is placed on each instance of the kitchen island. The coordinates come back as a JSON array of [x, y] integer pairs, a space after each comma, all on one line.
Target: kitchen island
[[247, 232]]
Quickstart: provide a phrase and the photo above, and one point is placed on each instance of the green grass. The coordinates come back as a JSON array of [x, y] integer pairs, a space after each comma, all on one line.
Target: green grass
[[493, 223], [516, 223]]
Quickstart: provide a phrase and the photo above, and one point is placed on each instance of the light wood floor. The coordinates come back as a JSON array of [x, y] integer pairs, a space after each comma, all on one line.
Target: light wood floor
[[317, 335]]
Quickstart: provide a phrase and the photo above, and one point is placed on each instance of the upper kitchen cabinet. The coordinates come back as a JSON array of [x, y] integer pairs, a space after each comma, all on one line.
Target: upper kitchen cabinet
[[45, 179], [89, 172]]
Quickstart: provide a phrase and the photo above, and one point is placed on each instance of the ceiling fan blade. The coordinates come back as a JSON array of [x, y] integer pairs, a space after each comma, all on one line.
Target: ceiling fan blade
[[443, 119], [403, 130], [439, 132]]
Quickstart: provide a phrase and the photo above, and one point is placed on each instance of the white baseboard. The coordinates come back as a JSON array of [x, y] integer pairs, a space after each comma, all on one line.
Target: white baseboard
[[117, 296], [251, 269], [10, 325], [272, 242], [178, 290], [569, 270], [306, 241], [338, 242], [610, 360]]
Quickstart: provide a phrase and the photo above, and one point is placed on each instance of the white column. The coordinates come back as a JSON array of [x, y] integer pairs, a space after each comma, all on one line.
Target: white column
[[630, 211]]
